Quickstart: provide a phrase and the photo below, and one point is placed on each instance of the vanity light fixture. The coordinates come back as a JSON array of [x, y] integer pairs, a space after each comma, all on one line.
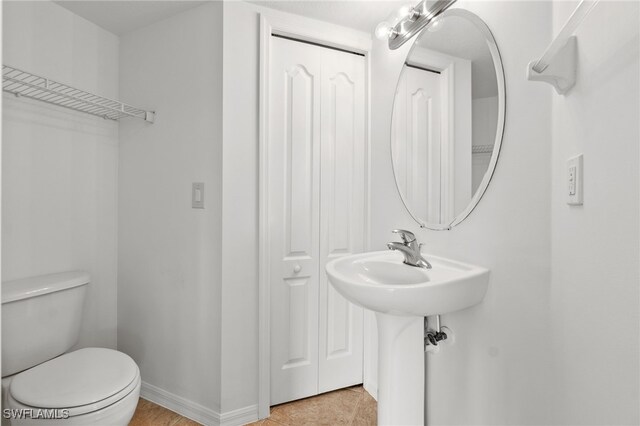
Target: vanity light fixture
[[409, 20], [385, 29]]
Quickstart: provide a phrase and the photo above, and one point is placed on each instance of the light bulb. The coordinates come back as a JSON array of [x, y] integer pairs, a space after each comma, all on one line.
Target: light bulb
[[435, 25], [408, 11], [403, 12], [386, 29], [383, 30]]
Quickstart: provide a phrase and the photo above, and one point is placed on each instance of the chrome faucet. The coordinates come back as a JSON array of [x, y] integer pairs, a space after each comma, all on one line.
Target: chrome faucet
[[410, 248]]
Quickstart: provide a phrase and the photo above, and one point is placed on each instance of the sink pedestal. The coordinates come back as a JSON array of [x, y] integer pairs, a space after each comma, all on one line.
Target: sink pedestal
[[402, 296], [401, 371]]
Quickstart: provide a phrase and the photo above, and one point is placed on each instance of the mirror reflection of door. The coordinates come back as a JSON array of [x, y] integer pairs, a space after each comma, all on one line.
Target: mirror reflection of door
[[417, 139], [432, 134]]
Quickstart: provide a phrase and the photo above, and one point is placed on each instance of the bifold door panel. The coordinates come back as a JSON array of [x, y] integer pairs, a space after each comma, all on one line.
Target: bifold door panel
[[316, 204]]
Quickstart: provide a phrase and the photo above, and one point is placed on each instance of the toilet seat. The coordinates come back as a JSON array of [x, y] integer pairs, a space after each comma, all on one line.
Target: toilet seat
[[82, 381]]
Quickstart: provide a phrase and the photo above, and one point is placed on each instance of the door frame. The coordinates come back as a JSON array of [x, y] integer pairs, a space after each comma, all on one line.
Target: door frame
[[326, 34]]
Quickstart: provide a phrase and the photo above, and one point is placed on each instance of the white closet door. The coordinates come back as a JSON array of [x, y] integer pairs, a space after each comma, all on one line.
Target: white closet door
[[316, 208], [424, 97], [294, 207], [342, 212]]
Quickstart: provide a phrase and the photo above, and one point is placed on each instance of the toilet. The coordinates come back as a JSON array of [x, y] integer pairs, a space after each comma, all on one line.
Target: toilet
[[41, 319]]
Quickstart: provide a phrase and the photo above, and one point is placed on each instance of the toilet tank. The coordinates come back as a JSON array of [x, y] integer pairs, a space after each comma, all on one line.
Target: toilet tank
[[41, 318]]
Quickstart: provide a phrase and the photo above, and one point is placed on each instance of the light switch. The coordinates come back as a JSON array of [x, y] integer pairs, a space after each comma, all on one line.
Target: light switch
[[197, 195], [574, 181]]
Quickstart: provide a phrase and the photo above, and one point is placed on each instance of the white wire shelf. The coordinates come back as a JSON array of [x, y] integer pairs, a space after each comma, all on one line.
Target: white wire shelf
[[481, 149], [23, 83]]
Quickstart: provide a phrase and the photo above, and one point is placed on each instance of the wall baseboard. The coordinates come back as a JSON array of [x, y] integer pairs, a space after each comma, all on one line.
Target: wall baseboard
[[197, 412], [239, 417], [372, 388], [180, 405]]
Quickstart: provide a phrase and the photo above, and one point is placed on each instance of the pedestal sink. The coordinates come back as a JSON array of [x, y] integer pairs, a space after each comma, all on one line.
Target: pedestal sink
[[401, 295]]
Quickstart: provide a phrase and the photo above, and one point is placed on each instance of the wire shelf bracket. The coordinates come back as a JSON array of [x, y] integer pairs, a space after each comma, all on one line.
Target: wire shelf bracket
[[558, 64], [23, 83]]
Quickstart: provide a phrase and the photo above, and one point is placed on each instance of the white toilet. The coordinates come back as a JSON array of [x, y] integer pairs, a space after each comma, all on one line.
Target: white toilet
[[41, 319]]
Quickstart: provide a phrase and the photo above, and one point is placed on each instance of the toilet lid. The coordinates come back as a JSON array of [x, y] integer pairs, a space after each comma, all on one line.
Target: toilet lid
[[80, 378]]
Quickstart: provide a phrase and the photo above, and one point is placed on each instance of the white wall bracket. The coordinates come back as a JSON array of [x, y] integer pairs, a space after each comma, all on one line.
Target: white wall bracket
[[557, 66], [561, 71]]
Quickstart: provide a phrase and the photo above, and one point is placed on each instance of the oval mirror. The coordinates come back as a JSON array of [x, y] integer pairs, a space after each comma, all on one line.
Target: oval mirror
[[448, 118]]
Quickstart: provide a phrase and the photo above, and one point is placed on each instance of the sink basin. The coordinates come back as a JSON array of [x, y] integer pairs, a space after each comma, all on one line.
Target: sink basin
[[401, 295], [379, 281]]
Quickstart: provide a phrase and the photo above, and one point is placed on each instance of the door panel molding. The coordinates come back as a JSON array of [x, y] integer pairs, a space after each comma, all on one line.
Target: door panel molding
[[299, 324], [299, 192]]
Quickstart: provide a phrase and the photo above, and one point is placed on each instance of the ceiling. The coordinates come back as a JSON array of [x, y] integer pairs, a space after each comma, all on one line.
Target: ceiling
[[121, 17], [361, 15]]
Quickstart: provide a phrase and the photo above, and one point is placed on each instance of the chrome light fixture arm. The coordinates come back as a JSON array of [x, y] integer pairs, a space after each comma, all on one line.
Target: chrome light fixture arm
[[423, 13]]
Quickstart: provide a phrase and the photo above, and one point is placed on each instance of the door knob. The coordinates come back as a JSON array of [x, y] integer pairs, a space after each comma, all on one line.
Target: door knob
[[297, 269]]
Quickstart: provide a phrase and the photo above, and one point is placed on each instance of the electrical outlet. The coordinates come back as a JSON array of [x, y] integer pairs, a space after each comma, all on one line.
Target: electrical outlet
[[574, 181]]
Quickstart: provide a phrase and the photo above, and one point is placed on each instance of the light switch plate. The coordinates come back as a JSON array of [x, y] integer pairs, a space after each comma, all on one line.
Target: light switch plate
[[197, 195], [575, 181]]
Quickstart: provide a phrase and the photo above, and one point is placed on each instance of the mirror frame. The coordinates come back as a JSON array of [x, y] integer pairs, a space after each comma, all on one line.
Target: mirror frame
[[502, 101]]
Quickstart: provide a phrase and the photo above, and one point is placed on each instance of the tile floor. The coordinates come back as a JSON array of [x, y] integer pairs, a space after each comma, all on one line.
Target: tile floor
[[150, 414], [351, 406]]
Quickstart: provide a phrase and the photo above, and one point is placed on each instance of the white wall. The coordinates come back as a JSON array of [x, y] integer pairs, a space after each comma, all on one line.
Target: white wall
[[595, 247], [485, 117], [59, 203], [496, 373], [170, 254], [239, 339]]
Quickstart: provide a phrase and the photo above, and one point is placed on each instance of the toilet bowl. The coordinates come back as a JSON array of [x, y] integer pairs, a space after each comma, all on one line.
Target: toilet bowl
[[91, 386], [42, 383]]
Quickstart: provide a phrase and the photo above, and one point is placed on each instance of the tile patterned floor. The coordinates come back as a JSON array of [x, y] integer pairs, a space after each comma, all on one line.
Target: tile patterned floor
[[351, 406], [150, 414]]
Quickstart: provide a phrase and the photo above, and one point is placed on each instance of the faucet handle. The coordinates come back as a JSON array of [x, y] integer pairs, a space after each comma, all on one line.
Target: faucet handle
[[407, 236]]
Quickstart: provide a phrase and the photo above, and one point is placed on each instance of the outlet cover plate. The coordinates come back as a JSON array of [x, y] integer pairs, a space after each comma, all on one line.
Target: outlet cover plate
[[575, 181]]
